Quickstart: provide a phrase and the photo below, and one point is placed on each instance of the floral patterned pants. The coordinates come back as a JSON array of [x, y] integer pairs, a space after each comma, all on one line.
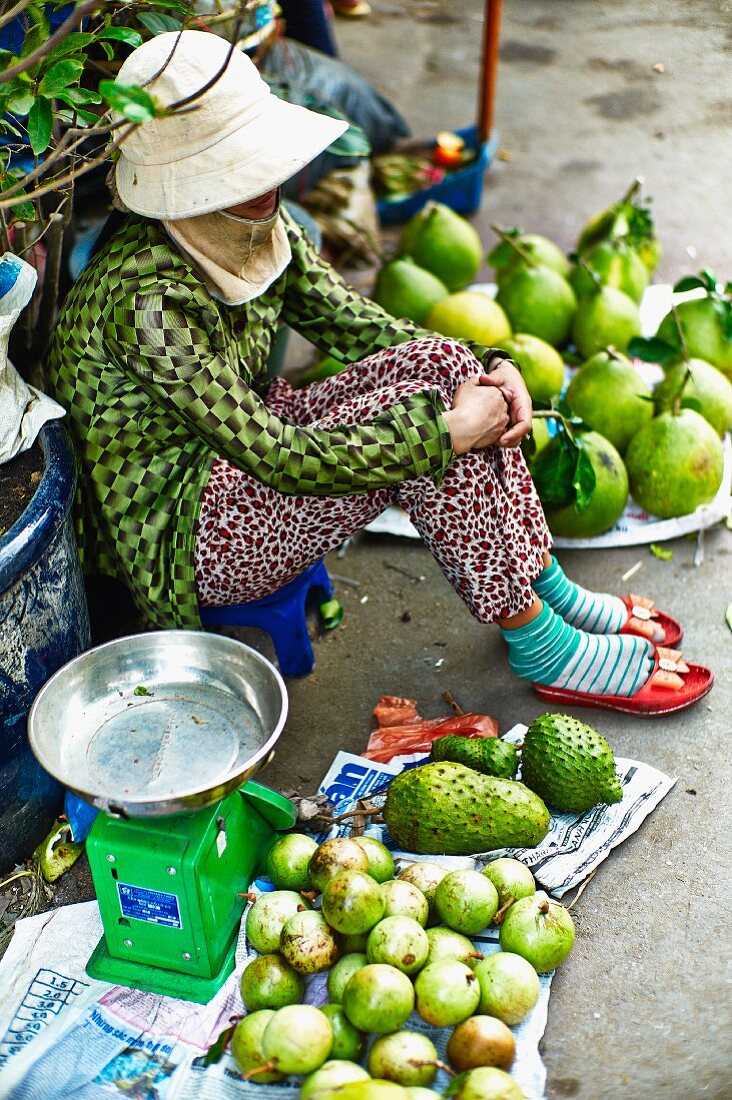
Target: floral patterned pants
[[484, 523]]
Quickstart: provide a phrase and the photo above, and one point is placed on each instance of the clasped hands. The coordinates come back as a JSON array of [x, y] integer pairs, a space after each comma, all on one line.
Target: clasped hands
[[490, 409]]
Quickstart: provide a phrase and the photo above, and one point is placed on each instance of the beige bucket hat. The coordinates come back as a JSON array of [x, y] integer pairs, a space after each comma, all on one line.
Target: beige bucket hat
[[239, 142]]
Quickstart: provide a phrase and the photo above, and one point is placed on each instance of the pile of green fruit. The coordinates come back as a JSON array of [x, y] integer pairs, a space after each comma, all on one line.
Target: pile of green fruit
[[391, 946], [661, 446]]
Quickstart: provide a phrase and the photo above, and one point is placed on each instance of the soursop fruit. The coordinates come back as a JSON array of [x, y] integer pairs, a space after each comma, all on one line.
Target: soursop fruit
[[569, 764], [488, 755], [446, 808]]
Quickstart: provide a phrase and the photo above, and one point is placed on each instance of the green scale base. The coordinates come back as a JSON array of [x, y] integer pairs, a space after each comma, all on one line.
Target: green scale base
[[172, 891]]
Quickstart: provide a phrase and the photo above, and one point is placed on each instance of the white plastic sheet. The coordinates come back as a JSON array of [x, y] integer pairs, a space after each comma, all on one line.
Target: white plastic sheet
[[23, 409]]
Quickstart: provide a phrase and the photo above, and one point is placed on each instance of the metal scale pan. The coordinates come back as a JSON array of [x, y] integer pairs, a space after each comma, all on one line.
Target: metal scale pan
[[158, 723]]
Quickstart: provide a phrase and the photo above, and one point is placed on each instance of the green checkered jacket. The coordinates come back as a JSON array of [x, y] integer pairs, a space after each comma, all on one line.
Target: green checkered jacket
[[159, 378]]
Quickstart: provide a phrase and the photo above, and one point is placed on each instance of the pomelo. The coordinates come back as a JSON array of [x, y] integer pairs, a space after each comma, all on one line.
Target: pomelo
[[470, 315], [615, 264], [442, 242], [541, 365], [505, 259], [608, 499], [630, 219], [406, 290], [703, 330], [611, 397], [675, 463], [539, 436], [539, 301], [605, 318], [705, 384]]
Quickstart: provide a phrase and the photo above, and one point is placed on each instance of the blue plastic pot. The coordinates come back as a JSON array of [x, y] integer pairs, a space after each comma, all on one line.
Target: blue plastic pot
[[44, 622]]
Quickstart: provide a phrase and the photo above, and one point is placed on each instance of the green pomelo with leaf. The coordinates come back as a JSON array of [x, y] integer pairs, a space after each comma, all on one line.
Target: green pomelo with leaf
[[609, 496], [442, 242], [706, 386], [506, 258], [605, 318], [608, 393], [703, 325], [628, 219], [406, 290], [540, 302], [470, 315], [615, 264], [542, 367], [675, 464]]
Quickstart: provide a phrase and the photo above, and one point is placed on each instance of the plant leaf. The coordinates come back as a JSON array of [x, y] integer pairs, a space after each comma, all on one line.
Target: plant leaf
[[331, 613], [122, 34], [215, 1052], [7, 128], [689, 282], [691, 403], [79, 96], [20, 103], [77, 40], [584, 480], [40, 123], [60, 76], [130, 100], [661, 552], [141, 690], [652, 350], [728, 616], [158, 22]]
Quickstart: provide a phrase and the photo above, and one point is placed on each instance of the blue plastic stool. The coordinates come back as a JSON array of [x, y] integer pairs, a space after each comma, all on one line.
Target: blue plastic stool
[[282, 615]]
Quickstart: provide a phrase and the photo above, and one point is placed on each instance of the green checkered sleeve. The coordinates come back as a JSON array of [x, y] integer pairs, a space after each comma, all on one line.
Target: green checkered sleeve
[[329, 313], [170, 344]]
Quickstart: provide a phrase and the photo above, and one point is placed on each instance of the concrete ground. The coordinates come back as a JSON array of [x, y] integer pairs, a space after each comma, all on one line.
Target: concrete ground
[[641, 1008]]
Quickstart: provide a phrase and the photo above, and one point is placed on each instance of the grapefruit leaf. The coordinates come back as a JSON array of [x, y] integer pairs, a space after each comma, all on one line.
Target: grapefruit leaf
[[584, 480], [689, 282], [652, 350]]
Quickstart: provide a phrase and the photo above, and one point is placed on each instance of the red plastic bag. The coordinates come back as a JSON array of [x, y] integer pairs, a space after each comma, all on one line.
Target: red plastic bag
[[402, 731]]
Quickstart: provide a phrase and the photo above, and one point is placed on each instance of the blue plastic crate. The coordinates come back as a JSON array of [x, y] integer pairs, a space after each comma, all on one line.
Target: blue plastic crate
[[461, 190]]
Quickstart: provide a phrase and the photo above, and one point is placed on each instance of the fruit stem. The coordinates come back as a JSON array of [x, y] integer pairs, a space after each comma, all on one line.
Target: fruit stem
[[591, 272], [530, 260], [498, 919], [633, 190], [434, 1062], [544, 906], [266, 1067], [614, 353]]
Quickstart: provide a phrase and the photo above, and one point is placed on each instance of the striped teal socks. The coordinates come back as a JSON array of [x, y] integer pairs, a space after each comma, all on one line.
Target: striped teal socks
[[551, 652], [595, 612]]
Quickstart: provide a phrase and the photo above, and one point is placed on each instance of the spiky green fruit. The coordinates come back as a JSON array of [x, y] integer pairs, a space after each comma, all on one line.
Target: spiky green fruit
[[448, 808], [569, 764], [488, 755]]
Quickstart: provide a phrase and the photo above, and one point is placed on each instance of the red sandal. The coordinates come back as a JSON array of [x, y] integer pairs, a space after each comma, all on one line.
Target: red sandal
[[673, 685], [644, 615]]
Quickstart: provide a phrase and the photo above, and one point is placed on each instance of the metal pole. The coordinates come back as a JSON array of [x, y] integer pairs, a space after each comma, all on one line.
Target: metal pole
[[489, 67]]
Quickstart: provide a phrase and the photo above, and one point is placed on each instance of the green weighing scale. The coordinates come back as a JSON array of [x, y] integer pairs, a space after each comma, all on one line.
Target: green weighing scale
[[161, 732]]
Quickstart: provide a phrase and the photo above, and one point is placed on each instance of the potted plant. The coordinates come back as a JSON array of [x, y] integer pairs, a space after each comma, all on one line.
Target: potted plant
[[56, 85]]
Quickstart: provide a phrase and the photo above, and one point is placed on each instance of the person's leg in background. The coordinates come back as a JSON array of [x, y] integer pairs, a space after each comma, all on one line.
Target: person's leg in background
[[307, 21]]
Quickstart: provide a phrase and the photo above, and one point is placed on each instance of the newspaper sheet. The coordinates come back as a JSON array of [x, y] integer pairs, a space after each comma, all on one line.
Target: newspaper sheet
[[64, 1035]]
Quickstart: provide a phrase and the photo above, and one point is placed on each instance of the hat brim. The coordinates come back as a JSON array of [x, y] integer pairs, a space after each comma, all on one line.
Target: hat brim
[[252, 160]]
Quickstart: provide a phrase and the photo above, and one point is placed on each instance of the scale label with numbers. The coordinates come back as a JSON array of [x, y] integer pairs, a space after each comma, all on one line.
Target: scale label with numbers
[[151, 906]]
